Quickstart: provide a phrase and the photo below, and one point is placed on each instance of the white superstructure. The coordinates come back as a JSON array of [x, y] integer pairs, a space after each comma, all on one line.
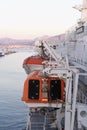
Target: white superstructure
[[76, 42], [76, 39]]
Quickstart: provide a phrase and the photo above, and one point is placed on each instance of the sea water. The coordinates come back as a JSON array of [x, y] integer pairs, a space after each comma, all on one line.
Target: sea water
[[13, 112]]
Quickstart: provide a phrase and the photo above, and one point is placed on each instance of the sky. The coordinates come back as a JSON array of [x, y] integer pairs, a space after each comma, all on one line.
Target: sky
[[28, 19]]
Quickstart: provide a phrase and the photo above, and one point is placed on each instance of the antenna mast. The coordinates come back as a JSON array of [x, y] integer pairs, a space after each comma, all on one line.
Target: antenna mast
[[83, 9]]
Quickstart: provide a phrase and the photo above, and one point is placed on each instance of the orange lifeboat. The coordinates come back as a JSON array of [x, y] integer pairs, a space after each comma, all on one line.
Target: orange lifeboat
[[33, 63], [40, 89]]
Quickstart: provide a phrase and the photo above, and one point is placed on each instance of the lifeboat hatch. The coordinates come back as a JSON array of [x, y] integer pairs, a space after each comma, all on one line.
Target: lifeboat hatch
[[55, 89], [33, 89]]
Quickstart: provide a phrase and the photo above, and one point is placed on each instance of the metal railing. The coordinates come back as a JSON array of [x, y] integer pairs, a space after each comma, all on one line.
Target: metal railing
[[82, 98]]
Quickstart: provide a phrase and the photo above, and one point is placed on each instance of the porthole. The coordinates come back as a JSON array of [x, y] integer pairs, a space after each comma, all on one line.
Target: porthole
[[83, 113]]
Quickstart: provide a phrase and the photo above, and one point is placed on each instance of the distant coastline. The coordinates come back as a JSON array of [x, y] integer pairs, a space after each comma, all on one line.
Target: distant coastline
[[16, 47], [8, 45]]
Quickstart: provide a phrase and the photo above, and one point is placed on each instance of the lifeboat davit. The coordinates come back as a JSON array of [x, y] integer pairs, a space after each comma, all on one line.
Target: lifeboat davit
[[35, 62], [39, 89]]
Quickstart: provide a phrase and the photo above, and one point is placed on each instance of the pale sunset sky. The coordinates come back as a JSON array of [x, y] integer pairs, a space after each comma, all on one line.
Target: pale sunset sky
[[27, 19]]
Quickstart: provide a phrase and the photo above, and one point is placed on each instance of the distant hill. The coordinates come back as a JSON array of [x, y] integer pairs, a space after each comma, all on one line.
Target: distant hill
[[9, 41], [56, 38]]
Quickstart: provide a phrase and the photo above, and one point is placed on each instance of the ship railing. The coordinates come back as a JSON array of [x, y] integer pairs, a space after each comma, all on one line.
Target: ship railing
[[45, 120], [34, 123], [49, 119], [82, 98], [81, 63]]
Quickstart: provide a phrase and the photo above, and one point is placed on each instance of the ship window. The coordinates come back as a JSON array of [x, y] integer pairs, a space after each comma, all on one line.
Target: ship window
[[55, 89], [80, 30], [33, 89]]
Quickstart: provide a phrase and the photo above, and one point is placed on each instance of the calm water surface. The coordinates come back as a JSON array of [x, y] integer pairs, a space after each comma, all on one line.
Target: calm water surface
[[13, 111]]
